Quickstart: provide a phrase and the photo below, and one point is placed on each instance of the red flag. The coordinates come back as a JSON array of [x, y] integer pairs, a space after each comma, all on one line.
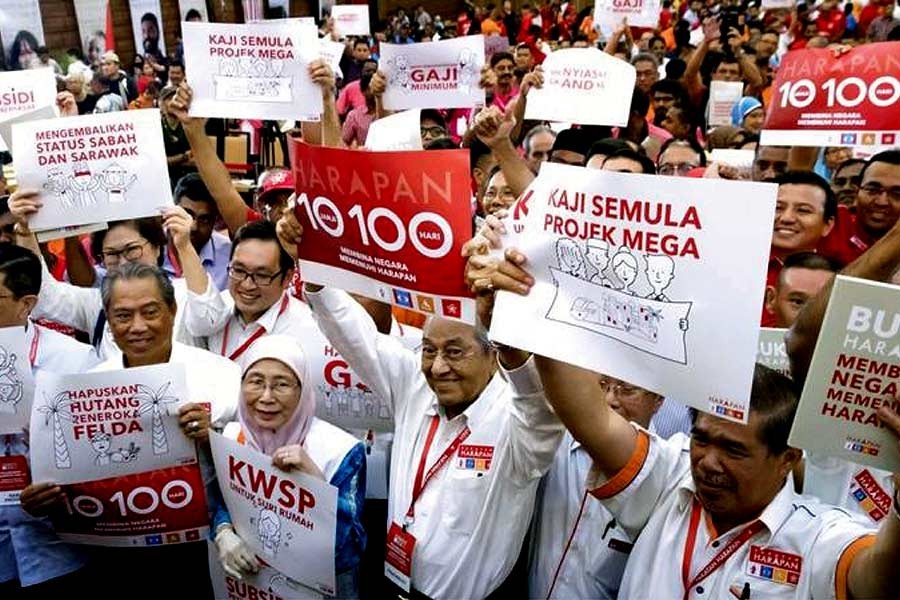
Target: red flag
[[110, 36]]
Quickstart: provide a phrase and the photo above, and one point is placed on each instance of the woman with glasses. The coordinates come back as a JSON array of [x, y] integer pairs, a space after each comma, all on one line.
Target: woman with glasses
[[131, 241], [275, 417]]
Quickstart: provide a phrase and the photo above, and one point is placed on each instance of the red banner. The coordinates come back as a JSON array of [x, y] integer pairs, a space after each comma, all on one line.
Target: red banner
[[823, 100], [167, 506], [386, 225]]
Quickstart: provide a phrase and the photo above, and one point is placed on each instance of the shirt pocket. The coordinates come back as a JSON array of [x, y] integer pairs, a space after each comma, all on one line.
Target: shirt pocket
[[464, 500]]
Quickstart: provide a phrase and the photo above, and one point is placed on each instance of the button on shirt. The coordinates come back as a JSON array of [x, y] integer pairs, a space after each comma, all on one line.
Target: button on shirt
[[577, 551], [471, 519], [653, 497], [214, 256], [30, 550]]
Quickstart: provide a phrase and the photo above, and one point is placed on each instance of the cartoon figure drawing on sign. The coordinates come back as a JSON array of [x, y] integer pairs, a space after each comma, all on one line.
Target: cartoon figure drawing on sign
[[660, 273], [268, 530], [228, 67], [597, 255], [401, 72], [83, 185], [115, 181], [11, 386], [468, 72], [570, 258], [625, 266], [102, 442], [58, 184]]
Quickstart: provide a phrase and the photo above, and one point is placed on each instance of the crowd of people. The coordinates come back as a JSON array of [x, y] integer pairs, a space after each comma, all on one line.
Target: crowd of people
[[593, 487]]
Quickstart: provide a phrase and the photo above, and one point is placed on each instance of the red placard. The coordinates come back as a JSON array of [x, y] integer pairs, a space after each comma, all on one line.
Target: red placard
[[167, 506], [387, 225], [823, 100]]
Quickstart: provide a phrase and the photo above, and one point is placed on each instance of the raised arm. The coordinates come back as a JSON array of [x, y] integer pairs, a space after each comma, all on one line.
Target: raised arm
[[534, 79], [878, 263], [493, 128], [78, 267], [323, 76], [211, 168], [691, 78]]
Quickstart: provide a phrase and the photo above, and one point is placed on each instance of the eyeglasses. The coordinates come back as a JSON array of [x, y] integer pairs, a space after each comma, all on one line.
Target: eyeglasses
[[279, 387], [619, 389], [873, 189], [434, 132], [845, 181], [261, 279], [676, 168], [130, 253], [450, 355]]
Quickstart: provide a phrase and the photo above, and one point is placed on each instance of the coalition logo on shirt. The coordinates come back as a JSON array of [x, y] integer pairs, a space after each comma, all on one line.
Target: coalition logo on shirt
[[475, 458], [871, 497], [774, 565]]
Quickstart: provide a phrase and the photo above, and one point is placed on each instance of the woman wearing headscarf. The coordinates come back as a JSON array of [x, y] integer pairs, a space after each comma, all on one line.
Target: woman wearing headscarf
[[276, 417], [748, 114]]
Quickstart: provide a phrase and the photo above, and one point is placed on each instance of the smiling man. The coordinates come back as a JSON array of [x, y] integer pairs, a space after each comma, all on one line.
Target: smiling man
[[804, 215]]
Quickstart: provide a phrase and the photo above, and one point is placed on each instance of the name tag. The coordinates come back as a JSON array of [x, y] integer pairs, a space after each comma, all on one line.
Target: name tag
[[774, 565], [474, 458], [14, 477], [398, 556]]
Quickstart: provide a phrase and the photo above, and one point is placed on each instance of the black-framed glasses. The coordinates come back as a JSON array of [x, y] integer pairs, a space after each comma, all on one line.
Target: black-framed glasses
[[240, 275], [435, 132], [130, 253], [873, 189]]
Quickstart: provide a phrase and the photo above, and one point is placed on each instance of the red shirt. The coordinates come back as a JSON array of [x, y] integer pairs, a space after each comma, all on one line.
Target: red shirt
[[768, 319], [832, 24], [847, 241]]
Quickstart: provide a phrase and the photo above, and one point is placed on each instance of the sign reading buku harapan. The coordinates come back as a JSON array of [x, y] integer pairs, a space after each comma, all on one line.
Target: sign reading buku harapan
[[823, 100], [387, 225], [854, 371]]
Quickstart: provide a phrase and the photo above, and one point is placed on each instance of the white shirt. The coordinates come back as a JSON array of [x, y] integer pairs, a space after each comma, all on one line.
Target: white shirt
[[212, 381], [80, 307], [59, 353], [653, 497], [577, 551], [865, 491], [470, 520]]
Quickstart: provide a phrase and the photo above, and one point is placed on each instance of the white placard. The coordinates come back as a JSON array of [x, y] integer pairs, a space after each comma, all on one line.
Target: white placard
[[778, 4], [772, 351], [723, 95], [21, 28], [331, 52], [23, 92], [351, 19], [16, 382], [147, 26], [287, 519], [267, 584], [640, 13], [92, 168], [252, 71], [441, 74], [644, 278], [399, 131], [585, 86], [94, 426], [739, 159]]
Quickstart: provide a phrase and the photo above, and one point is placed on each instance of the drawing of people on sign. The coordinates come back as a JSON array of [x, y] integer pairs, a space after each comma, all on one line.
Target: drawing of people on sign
[[468, 69], [57, 184], [83, 185], [401, 72], [268, 529], [102, 445], [11, 385], [589, 300], [115, 180]]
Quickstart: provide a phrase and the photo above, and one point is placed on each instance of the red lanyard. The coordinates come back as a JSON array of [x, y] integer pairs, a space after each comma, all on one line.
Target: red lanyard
[[173, 260], [32, 352], [423, 478], [719, 559], [260, 331]]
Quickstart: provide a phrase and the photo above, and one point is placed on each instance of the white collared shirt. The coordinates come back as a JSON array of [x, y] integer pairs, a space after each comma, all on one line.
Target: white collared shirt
[[80, 307], [865, 491], [211, 380], [652, 497], [471, 518], [58, 353]]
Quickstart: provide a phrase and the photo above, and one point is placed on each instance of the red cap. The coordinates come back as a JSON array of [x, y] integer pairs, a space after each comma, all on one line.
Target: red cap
[[275, 180]]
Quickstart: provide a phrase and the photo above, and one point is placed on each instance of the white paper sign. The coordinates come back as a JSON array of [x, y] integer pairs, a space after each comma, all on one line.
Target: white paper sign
[[644, 278], [147, 26], [351, 19], [287, 519], [331, 52], [45, 112], [772, 351], [93, 426], [267, 584], [723, 95], [253, 71], [778, 4], [399, 131], [23, 92], [93, 168], [585, 86], [441, 74], [640, 13], [16, 382]]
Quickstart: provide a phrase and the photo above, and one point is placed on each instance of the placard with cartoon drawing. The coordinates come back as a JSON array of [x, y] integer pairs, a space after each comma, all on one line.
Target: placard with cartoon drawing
[[266, 584], [252, 71], [644, 278], [441, 74], [16, 382], [93, 168], [94, 426], [287, 519]]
